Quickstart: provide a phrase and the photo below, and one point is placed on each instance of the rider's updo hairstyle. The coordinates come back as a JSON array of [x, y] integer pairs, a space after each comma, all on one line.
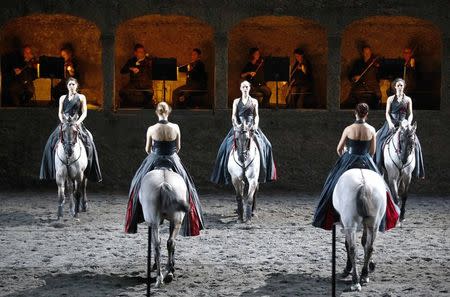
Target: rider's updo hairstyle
[[163, 109], [396, 81], [362, 109]]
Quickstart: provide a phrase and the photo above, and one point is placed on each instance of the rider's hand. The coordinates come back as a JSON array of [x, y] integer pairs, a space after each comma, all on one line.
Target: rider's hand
[[391, 126]]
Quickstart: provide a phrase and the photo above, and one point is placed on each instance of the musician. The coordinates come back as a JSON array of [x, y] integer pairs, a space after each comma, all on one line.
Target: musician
[[409, 70], [70, 71], [365, 82], [300, 82], [195, 80], [21, 89], [140, 88], [253, 72]]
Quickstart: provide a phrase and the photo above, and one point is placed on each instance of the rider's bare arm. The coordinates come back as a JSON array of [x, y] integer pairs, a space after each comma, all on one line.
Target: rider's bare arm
[[233, 113], [256, 124], [177, 128], [410, 110], [341, 144], [60, 107], [83, 109], [373, 141], [148, 143], [388, 109]]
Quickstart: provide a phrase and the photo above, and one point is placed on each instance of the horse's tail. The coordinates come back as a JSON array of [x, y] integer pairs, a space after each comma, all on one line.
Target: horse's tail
[[168, 198], [363, 199]]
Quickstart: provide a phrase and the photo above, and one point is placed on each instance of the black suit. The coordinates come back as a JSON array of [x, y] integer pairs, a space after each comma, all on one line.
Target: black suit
[[130, 94], [195, 83]]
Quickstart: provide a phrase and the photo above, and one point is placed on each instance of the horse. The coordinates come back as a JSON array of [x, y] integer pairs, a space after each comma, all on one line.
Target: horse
[[70, 164], [244, 166], [360, 199], [163, 196], [399, 162]]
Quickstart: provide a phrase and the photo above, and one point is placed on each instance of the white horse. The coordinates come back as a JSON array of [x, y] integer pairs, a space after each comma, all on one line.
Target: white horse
[[70, 164], [360, 199], [399, 162], [244, 166], [163, 195]]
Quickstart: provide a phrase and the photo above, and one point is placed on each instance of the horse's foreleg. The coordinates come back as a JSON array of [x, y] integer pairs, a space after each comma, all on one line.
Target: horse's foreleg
[[84, 204], [157, 246], [250, 198], [77, 193], [350, 237], [371, 232], [71, 188], [170, 268], [254, 201], [404, 197], [239, 189], [62, 198]]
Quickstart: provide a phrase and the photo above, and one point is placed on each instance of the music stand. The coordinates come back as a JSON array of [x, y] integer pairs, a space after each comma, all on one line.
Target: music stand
[[276, 69], [164, 69], [51, 67]]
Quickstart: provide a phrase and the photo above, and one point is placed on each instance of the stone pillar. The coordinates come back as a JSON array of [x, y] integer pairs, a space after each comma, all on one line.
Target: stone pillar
[[334, 71], [221, 70], [445, 72], [108, 68]]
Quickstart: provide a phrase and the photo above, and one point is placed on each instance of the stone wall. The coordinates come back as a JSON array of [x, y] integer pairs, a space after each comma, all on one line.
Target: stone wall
[[304, 141]]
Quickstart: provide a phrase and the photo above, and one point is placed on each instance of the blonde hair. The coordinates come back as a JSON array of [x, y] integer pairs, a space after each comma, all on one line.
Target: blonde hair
[[163, 109]]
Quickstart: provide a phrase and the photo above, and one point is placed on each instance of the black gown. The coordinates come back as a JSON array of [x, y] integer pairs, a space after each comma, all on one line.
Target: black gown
[[71, 107], [357, 156], [398, 113], [164, 155], [268, 170]]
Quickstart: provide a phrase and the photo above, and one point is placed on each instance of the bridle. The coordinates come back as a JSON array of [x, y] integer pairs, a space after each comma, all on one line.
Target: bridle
[[65, 142], [398, 150], [245, 152]]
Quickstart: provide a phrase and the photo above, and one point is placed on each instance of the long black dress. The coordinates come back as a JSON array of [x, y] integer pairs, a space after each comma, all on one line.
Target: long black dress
[[398, 112], [357, 156], [71, 107], [268, 170], [164, 155]]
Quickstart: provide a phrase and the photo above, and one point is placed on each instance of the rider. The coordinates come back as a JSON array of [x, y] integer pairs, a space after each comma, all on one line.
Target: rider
[[360, 139], [398, 108], [245, 109], [71, 104], [162, 146]]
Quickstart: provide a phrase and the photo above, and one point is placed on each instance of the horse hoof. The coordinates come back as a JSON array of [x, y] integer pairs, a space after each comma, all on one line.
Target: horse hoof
[[355, 287], [372, 266], [158, 283], [346, 273], [254, 215], [84, 208], [364, 280], [168, 278]]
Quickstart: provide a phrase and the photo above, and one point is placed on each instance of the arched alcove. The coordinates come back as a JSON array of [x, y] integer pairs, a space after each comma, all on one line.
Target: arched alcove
[[388, 36], [279, 36], [47, 34], [166, 36]]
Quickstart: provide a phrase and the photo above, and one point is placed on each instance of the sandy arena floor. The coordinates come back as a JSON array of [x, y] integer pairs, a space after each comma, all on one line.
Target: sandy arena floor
[[279, 254]]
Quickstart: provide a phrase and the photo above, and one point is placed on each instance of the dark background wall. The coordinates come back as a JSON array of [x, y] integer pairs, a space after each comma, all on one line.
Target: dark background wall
[[47, 33], [304, 141]]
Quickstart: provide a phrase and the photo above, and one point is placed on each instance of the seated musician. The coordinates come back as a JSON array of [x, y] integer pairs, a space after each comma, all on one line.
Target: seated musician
[[70, 70], [21, 89], [365, 82], [195, 81], [139, 90], [253, 72], [300, 82], [410, 74]]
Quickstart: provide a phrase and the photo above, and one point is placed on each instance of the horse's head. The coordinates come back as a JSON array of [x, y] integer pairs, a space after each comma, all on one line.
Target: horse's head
[[243, 134], [407, 139], [69, 133]]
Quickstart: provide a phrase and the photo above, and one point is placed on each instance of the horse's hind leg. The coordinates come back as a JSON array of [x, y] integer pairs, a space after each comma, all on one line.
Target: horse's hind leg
[[84, 204], [156, 243], [249, 201], [254, 202], [170, 268], [371, 232], [350, 237], [348, 266]]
